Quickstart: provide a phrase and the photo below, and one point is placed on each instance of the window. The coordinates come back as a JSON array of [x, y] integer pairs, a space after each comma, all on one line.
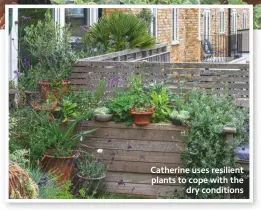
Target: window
[[207, 24], [153, 25], [80, 18], [174, 25], [244, 21], [234, 22], [222, 21]]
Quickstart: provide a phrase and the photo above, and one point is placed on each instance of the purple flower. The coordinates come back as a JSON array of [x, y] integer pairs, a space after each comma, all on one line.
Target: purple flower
[[24, 18], [16, 22], [129, 147], [120, 182], [84, 28], [18, 74]]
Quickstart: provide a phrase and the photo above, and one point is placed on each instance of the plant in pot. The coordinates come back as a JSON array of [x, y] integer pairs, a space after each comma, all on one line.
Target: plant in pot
[[48, 44], [142, 110], [67, 110], [50, 105], [59, 157], [179, 117], [91, 173], [102, 114], [12, 93]]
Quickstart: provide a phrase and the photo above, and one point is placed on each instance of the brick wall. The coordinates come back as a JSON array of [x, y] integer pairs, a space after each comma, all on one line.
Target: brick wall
[[190, 30]]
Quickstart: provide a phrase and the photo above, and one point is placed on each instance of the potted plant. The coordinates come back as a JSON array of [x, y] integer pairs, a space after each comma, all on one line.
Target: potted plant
[[12, 93], [91, 173], [50, 105], [59, 157], [53, 53], [143, 110], [178, 117], [102, 114]]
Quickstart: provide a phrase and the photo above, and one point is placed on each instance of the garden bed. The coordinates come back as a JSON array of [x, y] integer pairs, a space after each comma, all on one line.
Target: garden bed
[[130, 152]]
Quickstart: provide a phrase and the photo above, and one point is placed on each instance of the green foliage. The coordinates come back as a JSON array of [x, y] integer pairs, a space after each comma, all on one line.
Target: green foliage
[[52, 191], [20, 157], [87, 101], [142, 102], [102, 110], [28, 131], [162, 109], [119, 31], [146, 15], [179, 115], [121, 105], [257, 16], [48, 43], [205, 145], [91, 169], [62, 139], [68, 110]]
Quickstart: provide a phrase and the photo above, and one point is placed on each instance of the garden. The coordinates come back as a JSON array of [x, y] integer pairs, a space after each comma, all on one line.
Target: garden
[[72, 140]]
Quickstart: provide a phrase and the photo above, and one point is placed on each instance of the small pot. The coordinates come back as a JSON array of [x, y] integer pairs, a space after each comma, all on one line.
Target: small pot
[[90, 184], [46, 88], [142, 118], [103, 117], [30, 97], [61, 167], [12, 93]]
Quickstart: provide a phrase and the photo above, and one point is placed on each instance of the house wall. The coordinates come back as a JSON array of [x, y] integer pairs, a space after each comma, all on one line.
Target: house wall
[[191, 31]]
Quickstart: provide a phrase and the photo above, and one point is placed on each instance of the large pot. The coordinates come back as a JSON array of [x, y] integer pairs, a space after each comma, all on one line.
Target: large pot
[[60, 167], [90, 185], [142, 118], [46, 88]]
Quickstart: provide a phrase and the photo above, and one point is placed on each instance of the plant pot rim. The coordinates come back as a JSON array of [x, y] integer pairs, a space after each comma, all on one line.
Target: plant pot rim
[[38, 106], [49, 82], [30, 92], [132, 111], [82, 176], [53, 150], [13, 91]]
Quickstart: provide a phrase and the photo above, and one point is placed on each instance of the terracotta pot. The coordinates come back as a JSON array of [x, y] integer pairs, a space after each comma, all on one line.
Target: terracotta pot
[[90, 184], [46, 88], [51, 108], [142, 118], [60, 167]]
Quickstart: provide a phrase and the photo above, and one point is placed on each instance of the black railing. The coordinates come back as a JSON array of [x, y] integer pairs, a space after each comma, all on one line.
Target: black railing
[[224, 48], [243, 40]]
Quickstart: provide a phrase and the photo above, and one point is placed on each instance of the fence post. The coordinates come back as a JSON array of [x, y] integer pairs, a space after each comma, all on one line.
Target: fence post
[[228, 133]]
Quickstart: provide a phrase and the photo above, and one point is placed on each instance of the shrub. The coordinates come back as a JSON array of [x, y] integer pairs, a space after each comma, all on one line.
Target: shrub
[[205, 145], [117, 32]]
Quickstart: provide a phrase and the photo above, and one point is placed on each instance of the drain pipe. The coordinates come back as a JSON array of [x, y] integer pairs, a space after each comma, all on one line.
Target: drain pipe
[[229, 32]]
